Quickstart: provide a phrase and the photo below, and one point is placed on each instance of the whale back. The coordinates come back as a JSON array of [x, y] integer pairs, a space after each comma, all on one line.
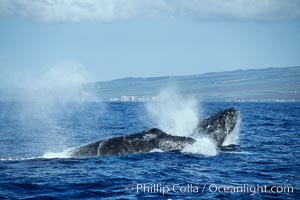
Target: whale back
[[141, 142]]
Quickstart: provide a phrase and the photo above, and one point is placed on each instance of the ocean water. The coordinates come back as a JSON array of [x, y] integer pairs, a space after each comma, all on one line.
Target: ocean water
[[33, 136]]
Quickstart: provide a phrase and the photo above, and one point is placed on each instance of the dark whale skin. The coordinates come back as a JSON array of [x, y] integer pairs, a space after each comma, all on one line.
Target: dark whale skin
[[217, 127]]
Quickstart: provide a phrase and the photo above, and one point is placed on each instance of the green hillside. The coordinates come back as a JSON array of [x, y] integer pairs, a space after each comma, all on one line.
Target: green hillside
[[241, 85]]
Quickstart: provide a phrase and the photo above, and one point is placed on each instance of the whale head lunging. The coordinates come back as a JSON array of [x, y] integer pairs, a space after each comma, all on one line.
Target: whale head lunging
[[218, 126]]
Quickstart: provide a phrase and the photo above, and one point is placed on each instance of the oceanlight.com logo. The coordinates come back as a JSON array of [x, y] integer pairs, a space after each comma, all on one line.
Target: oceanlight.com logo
[[211, 188]]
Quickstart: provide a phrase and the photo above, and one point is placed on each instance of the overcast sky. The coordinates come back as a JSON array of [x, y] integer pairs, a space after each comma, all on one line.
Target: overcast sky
[[112, 39]]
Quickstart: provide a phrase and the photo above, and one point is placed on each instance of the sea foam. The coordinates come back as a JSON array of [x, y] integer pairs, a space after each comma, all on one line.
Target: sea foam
[[179, 115]]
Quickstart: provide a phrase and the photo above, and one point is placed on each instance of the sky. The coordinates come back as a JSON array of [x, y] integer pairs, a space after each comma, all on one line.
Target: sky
[[111, 39]]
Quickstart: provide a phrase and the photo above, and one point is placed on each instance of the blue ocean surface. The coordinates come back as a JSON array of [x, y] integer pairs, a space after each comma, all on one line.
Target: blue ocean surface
[[33, 135]]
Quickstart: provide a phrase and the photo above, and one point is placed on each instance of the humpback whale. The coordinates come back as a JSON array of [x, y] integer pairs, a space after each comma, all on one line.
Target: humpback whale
[[217, 128]]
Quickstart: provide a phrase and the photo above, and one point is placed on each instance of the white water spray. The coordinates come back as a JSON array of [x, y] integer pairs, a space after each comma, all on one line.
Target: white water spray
[[47, 98], [173, 113], [203, 145], [63, 154], [63, 83], [233, 137], [179, 115]]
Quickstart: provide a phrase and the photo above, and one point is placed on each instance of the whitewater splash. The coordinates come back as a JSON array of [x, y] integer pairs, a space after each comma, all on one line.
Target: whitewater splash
[[47, 155], [173, 113], [179, 115], [233, 138], [63, 154], [203, 145]]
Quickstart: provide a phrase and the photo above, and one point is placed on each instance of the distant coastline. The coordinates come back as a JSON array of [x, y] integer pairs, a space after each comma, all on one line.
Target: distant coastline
[[254, 85]]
